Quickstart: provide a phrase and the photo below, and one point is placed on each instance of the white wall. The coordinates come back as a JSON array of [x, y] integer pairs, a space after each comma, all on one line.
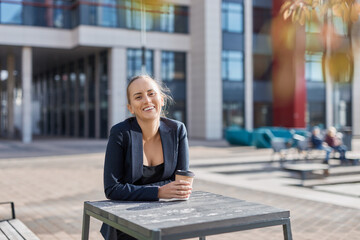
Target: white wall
[[204, 85], [89, 36], [356, 81], [36, 37], [117, 85]]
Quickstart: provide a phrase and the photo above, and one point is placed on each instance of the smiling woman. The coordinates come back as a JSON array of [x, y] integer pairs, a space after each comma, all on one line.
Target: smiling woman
[[145, 151], [156, 87]]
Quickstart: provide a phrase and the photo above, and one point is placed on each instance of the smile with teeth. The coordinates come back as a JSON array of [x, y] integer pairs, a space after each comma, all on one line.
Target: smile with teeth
[[149, 108]]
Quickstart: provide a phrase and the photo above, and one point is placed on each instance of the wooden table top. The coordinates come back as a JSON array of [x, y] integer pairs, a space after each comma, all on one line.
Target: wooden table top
[[203, 211]]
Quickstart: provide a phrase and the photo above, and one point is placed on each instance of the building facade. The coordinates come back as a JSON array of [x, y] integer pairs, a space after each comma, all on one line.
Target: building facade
[[65, 66]]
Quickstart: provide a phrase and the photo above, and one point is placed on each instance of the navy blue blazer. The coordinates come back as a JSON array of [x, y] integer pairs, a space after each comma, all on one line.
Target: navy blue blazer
[[124, 159]]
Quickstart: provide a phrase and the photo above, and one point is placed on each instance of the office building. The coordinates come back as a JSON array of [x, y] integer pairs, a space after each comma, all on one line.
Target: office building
[[65, 65]]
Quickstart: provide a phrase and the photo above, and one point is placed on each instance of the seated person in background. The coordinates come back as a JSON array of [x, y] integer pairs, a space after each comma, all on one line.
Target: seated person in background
[[318, 143], [335, 142]]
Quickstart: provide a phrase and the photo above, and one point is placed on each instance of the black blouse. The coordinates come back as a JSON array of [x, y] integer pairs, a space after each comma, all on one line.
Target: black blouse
[[151, 174]]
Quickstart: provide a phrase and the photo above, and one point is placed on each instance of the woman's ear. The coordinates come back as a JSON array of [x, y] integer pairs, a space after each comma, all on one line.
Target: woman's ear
[[162, 101], [130, 109]]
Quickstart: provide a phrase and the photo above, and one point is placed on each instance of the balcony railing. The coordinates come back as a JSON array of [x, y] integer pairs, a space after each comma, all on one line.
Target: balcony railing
[[106, 13]]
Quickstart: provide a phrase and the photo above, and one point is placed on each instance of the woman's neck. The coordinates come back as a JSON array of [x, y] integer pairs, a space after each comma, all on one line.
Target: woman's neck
[[149, 129]]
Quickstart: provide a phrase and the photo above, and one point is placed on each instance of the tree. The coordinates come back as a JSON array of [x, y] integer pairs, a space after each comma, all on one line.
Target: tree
[[301, 10], [337, 62], [322, 12]]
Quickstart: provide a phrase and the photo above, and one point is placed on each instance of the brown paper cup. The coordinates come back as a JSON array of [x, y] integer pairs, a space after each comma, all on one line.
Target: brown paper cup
[[185, 175]]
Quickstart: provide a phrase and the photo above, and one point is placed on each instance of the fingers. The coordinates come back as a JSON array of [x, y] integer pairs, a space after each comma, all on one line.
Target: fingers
[[182, 182], [182, 189], [182, 194], [183, 186], [176, 189]]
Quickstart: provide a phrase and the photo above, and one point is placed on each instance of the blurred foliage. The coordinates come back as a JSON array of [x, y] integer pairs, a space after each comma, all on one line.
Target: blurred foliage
[[340, 67], [340, 63], [149, 2], [302, 10]]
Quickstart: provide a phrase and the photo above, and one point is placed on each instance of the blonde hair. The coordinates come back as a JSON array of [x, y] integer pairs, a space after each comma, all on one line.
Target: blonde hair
[[331, 131], [164, 92]]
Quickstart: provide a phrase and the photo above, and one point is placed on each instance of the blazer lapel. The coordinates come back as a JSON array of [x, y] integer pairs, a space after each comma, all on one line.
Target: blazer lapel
[[168, 143], [136, 151]]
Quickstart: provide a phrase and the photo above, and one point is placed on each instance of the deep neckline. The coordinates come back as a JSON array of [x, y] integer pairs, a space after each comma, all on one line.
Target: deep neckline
[[153, 166]]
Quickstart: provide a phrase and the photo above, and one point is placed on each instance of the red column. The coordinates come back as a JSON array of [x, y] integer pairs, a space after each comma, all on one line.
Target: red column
[[49, 13], [288, 75]]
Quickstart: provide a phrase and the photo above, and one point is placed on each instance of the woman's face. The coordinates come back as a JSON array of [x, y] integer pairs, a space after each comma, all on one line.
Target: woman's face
[[145, 100]]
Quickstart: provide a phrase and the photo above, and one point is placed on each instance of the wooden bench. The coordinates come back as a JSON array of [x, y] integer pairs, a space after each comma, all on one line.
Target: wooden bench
[[306, 168], [337, 175], [352, 161], [14, 229]]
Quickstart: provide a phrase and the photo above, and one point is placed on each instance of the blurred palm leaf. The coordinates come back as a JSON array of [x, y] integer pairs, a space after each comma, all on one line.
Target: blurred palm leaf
[[299, 10], [150, 2], [339, 66]]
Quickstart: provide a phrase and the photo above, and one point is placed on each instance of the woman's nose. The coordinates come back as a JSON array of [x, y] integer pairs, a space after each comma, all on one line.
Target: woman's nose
[[146, 99]]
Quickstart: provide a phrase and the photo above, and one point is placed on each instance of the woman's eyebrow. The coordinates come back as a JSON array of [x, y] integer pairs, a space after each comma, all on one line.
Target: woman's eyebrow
[[138, 93]]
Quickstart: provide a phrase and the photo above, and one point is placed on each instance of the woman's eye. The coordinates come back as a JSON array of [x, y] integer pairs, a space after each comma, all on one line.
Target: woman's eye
[[151, 94], [138, 97]]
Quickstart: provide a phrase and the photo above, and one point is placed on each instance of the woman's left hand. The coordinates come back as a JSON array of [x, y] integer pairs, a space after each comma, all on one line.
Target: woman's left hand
[[176, 189]]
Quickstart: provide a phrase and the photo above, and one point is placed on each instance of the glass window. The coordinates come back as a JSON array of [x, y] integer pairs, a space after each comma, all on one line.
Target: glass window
[[174, 19], [177, 111], [72, 103], [133, 16], [173, 74], [64, 92], [315, 114], [262, 67], [232, 17], [11, 13], [167, 19], [261, 20], [51, 104], [103, 95], [91, 95], [134, 62], [340, 26], [233, 114], [313, 67], [59, 16], [107, 13], [262, 114], [173, 66], [57, 100], [81, 96], [342, 99], [232, 65]]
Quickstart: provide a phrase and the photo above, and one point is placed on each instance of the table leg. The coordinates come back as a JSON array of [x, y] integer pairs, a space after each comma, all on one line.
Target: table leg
[[303, 177], [202, 238], [287, 231], [85, 226]]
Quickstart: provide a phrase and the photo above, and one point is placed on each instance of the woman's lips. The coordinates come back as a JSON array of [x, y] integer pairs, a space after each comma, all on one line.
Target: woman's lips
[[149, 108]]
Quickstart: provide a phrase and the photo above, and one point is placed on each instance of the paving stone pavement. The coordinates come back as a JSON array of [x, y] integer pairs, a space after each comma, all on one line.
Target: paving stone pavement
[[50, 180]]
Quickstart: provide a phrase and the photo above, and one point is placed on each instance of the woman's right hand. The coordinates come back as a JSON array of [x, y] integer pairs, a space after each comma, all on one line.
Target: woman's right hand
[[176, 189]]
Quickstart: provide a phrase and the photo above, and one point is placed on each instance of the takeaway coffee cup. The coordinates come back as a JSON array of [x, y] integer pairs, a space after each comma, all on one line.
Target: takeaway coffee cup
[[184, 175]]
